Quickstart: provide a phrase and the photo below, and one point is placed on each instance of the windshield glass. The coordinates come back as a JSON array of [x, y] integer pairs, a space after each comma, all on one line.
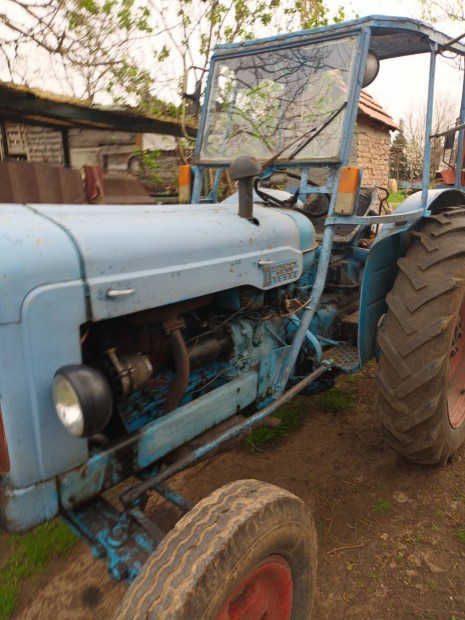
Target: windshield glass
[[289, 101]]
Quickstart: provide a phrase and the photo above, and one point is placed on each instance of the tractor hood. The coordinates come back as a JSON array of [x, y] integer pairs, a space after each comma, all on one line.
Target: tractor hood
[[138, 257], [35, 252]]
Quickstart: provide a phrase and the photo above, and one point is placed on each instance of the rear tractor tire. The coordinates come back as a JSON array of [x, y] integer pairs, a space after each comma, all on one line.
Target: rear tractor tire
[[421, 373], [245, 552]]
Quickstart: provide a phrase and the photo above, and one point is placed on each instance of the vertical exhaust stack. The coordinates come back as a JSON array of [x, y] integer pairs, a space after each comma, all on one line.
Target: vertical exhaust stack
[[244, 169]]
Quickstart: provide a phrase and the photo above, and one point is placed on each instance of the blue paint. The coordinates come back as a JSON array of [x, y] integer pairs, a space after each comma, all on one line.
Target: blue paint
[[215, 250], [107, 468], [58, 268], [174, 498], [34, 253], [112, 536], [143, 407], [30, 352], [132, 495], [411, 208], [24, 508], [308, 243], [311, 339], [378, 279], [460, 141], [411, 36], [428, 126]]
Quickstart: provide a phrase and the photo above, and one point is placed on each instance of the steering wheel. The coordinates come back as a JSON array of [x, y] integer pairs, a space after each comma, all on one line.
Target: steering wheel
[[316, 205]]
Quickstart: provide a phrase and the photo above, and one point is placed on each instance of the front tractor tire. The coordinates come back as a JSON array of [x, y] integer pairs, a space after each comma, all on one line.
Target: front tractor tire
[[245, 552], [421, 373]]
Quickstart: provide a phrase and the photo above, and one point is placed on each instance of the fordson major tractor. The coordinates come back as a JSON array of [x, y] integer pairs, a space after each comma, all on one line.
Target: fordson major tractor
[[128, 331]]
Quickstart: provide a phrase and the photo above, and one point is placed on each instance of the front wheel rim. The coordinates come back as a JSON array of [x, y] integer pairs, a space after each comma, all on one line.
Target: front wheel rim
[[265, 593]]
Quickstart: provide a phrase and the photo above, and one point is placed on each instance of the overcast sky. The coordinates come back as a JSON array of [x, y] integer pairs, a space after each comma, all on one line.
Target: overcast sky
[[401, 85]]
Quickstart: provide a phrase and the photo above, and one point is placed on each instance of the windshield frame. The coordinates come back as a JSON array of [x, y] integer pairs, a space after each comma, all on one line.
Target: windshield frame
[[308, 41]]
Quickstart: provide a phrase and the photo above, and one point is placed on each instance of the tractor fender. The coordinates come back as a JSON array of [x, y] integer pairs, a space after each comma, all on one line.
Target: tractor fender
[[437, 200], [381, 266]]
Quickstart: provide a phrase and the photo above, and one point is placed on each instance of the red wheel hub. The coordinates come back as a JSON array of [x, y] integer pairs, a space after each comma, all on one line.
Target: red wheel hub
[[265, 594], [456, 378]]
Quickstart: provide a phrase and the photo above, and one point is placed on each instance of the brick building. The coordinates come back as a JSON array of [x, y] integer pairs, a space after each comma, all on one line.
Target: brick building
[[372, 141]]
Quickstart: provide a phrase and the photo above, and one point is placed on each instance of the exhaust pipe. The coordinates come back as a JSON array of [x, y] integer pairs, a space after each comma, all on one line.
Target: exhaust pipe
[[244, 169]]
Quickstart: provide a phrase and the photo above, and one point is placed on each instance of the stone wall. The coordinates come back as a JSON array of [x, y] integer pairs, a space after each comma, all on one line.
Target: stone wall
[[370, 149]]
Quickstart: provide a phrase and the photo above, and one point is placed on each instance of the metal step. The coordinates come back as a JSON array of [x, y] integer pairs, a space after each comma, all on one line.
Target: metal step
[[344, 358]]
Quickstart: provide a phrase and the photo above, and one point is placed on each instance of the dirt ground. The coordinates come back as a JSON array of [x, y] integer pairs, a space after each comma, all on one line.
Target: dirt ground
[[391, 534]]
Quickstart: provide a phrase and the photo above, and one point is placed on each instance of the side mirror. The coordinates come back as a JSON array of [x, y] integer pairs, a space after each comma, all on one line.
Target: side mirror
[[448, 154], [449, 141], [194, 98], [371, 69]]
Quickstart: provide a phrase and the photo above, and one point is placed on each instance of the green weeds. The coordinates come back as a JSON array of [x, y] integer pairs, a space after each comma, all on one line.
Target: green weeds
[[396, 198], [29, 556], [461, 536], [290, 416], [381, 506], [337, 399]]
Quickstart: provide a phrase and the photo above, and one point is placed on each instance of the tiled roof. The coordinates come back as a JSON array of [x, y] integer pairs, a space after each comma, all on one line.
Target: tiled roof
[[371, 108]]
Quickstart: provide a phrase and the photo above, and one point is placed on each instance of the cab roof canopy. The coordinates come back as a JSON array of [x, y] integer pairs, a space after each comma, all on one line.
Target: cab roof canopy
[[20, 104], [391, 36]]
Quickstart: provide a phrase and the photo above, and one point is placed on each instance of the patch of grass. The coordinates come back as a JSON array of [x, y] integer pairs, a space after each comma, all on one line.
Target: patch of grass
[[8, 600], [461, 535], [382, 505], [396, 198], [30, 554], [290, 416], [336, 399]]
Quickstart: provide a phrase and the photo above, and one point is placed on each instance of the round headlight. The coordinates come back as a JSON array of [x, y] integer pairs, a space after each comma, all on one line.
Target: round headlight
[[83, 399]]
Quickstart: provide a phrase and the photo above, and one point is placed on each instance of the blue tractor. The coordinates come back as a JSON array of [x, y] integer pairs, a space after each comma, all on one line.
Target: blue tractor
[[127, 333]]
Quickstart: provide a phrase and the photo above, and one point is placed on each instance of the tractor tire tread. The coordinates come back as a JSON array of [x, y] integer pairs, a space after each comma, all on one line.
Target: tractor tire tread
[[204, 535], [415, 339]]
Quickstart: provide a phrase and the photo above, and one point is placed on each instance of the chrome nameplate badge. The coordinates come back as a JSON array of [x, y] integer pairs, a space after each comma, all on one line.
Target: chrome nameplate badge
[[280, 272]]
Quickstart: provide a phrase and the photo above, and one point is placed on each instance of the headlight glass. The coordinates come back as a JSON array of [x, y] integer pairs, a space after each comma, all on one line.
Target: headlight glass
[[68, 406]]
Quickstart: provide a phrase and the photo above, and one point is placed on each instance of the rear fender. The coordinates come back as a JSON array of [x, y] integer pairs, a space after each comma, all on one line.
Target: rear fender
[[381, 265]]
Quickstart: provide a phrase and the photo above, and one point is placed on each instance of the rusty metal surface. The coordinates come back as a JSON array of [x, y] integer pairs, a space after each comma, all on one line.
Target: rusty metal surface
[[124, 541], [25, 182], [120, 189], [21, 104]]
